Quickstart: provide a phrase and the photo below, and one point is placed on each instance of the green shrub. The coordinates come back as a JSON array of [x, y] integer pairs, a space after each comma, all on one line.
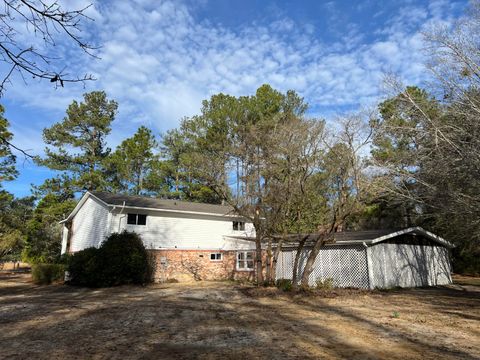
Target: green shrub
[[121, 259], [125, 260], [326, 284], [466, 262], [84, 268], [284, 284], [44, 274]]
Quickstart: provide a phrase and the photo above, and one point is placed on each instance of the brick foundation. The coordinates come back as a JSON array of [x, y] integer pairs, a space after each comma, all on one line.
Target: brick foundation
[[185, 265]]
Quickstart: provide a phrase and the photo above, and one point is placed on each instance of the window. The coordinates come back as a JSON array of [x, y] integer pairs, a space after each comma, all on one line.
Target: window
[[132, 219], [136, 219], [245, 260], [141, 219], [239, 226], [216, 256]]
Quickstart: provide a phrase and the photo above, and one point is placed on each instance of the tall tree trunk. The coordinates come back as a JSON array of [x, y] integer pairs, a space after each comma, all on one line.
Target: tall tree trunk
[[258, 258], [176, 181], [301, 245], [139, 181], [408, 216], [311, 260], [237, 179], [318, 244], [268, 262]]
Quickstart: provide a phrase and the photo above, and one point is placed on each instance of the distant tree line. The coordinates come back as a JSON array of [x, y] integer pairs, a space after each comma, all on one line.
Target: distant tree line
[[413, 161]]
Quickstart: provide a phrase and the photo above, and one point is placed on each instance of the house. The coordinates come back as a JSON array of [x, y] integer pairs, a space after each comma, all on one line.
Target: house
[[205, 241], [188, 240], [375, 259]]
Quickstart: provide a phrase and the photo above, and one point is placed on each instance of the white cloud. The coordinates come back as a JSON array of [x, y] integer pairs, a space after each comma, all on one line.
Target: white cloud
[[159, 63]]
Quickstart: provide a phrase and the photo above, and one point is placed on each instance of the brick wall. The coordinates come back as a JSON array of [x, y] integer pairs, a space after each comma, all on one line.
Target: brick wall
[[184, 265]]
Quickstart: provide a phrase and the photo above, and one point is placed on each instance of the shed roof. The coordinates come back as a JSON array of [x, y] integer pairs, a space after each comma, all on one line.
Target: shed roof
[[368, 237]]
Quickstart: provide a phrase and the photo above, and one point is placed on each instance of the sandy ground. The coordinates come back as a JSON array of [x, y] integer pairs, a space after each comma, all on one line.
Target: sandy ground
[[216, 320], [10, 265]]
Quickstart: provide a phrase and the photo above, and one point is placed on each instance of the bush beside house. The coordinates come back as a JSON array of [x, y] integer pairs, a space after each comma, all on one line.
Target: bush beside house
[[44, 274], [83, 267], [121, 259]]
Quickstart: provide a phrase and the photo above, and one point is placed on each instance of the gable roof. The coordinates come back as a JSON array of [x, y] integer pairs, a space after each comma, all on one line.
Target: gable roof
[[417, 230], [148, 203], [372, 237]]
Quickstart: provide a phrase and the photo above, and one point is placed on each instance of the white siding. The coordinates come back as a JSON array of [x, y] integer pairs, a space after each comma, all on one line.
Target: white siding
[[89, 226], [384, 265], [407, 265], [64, 239], [166, 230]]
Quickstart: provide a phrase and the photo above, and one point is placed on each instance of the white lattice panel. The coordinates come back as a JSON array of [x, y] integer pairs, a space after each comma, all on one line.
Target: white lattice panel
[[346, 265]]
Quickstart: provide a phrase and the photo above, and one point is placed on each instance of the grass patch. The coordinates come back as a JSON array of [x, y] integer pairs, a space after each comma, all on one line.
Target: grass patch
[[466, 280]]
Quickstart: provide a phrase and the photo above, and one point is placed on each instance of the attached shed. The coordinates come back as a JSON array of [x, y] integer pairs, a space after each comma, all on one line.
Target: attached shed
[[376, 259]]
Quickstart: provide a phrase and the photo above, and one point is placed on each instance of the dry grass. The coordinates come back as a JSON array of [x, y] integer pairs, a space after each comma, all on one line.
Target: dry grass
[[215, 320], [466, 280]]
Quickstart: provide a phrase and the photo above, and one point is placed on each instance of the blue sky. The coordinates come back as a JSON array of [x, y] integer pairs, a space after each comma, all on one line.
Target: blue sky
[[159, 59]]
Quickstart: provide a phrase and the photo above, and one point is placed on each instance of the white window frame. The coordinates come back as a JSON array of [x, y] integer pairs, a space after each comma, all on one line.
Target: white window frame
[[216, 253], [242, 258]]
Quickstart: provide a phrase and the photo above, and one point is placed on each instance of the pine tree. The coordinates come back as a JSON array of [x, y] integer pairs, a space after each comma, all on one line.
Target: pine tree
[[131, 163], [14, 214], [8, 171], [84, 130]]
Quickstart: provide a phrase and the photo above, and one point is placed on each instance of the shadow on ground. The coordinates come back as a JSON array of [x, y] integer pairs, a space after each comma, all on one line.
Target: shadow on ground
[[213, 320]]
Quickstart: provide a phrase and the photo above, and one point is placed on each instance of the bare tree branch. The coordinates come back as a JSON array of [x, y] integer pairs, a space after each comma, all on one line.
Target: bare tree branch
[[46, 21], [24, 152]]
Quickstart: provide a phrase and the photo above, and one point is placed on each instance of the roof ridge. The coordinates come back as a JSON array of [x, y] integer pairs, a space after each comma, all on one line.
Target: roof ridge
[[153, 198]]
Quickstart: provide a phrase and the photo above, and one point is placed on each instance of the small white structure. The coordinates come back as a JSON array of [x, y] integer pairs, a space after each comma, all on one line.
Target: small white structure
[[162, 224], [376, 259]]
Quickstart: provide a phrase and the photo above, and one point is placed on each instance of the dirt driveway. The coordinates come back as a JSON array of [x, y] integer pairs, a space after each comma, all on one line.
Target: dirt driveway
[[215, 320]]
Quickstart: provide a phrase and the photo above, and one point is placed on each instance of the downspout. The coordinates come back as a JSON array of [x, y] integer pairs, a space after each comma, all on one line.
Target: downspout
[[110, 219], [121, 217]]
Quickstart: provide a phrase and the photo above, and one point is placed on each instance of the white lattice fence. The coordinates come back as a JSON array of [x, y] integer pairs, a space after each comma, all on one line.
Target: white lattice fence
[[346, 265]]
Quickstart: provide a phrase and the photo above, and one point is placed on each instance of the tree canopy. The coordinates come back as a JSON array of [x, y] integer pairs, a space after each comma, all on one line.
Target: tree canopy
[[8, 169], [413, 161], [84, 130], [130, 165]]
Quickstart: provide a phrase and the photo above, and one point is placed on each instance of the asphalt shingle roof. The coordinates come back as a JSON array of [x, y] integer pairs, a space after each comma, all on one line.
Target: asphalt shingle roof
[[162, 204], [361, 236], [366, 236], [345, 236]]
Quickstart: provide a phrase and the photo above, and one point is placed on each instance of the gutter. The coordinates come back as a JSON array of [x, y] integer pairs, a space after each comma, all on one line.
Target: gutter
[[180, 211]]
